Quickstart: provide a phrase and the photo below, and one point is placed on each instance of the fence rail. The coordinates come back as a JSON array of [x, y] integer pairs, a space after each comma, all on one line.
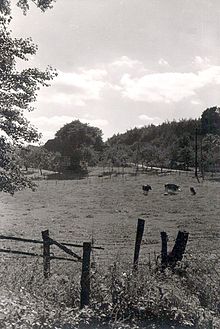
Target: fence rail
[[47, 257], [4, 237], [25, 253], [166, 259]]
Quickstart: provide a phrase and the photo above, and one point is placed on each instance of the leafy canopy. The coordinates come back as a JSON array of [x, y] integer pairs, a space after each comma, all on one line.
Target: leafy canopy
[[43, 5], [18, 90], [74, 136], [210, 121]]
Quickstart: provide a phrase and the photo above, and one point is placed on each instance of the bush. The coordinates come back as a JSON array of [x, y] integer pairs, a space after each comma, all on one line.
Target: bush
[[185, 298]]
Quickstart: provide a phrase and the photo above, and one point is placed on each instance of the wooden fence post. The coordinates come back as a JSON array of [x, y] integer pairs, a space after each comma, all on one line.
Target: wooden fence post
[[179, 248], [46, 253], [164, 239], [139, 235], [85, 278]]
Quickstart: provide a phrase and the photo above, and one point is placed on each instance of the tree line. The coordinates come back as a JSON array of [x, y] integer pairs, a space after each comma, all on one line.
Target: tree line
[[170, 145]]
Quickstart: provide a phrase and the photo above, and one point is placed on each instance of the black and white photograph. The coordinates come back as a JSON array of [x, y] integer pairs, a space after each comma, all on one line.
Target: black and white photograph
[[109, 164]]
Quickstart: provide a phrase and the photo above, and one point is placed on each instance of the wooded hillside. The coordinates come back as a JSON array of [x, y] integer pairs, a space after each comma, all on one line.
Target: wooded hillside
[[170, 145]]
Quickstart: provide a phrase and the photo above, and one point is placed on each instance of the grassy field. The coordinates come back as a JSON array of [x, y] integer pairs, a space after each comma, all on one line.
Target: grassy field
[[106, 210]]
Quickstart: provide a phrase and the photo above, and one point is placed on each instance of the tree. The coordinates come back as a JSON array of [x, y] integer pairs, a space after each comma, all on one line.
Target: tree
[[210, 121], [89, 155], [116, 155], [161, 156], [79, 141], [211, 152], [38, 157], [136, 156], [147, 154], [43, 5], [76, 133], [185, 153], [18, 90]]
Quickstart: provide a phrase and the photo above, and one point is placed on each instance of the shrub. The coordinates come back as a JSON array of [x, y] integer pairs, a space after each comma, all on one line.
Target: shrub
[[187, 297]]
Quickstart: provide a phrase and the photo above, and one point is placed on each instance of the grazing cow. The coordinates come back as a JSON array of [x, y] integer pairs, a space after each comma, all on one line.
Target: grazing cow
[[146, 189], [192, 190], [171, 188]]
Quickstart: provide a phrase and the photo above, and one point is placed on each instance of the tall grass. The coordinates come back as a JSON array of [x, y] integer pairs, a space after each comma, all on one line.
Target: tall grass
[[188, 297]]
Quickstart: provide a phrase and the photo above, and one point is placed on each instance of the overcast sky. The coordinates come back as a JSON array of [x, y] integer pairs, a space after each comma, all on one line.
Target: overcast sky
[[124, 63]]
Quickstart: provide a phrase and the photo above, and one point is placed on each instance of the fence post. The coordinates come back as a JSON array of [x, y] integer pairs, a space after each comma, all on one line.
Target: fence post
[[46, 253], [164, 240], [85, 277], [139, 235], [179, 248]]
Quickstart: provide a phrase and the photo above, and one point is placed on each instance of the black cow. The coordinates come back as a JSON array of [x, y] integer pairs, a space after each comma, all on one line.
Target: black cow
[[146, 189], [192, 190], [171, 188]]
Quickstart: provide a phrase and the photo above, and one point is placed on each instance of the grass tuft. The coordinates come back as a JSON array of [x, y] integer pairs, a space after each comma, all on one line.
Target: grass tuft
[[188, 297]]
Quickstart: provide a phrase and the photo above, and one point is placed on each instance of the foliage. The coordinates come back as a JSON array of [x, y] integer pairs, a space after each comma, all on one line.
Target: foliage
[[43, 5], [18, 89], [79, 141], [120, 298], [210, 121], [116, 155], [163, 146], [171, 144], [185, 152], [90, 155], [77, 133], [38, 157], [211, 152]]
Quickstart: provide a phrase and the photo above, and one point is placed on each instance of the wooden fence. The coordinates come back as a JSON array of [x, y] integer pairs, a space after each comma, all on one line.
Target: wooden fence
[[47, 241], [168, 259]]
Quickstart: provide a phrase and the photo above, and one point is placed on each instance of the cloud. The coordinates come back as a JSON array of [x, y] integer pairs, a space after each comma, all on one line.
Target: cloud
[[145, 117], [129, 79], [75, 88], [95, 122], [163, 62], [50, 125], [86, 84], [126, 61], [198, 60], [83, 80], [63, 98], [150, 120], [169, 86], [195, 102]]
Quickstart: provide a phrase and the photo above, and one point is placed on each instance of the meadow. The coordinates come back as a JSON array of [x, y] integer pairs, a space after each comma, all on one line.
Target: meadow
[[105, 210]]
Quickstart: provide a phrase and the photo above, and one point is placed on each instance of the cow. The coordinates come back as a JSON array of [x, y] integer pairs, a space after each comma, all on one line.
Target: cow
[[146, 189], [192, 190], [171, 188]]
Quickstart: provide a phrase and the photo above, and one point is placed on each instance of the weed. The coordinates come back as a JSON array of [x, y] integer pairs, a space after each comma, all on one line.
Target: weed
[[120, 298]]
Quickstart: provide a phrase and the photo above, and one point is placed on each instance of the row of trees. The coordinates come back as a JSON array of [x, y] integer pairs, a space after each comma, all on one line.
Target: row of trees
[[170, 145]]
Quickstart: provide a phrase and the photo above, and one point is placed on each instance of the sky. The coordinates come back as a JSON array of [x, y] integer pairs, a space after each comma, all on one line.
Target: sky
[[123, 63]]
